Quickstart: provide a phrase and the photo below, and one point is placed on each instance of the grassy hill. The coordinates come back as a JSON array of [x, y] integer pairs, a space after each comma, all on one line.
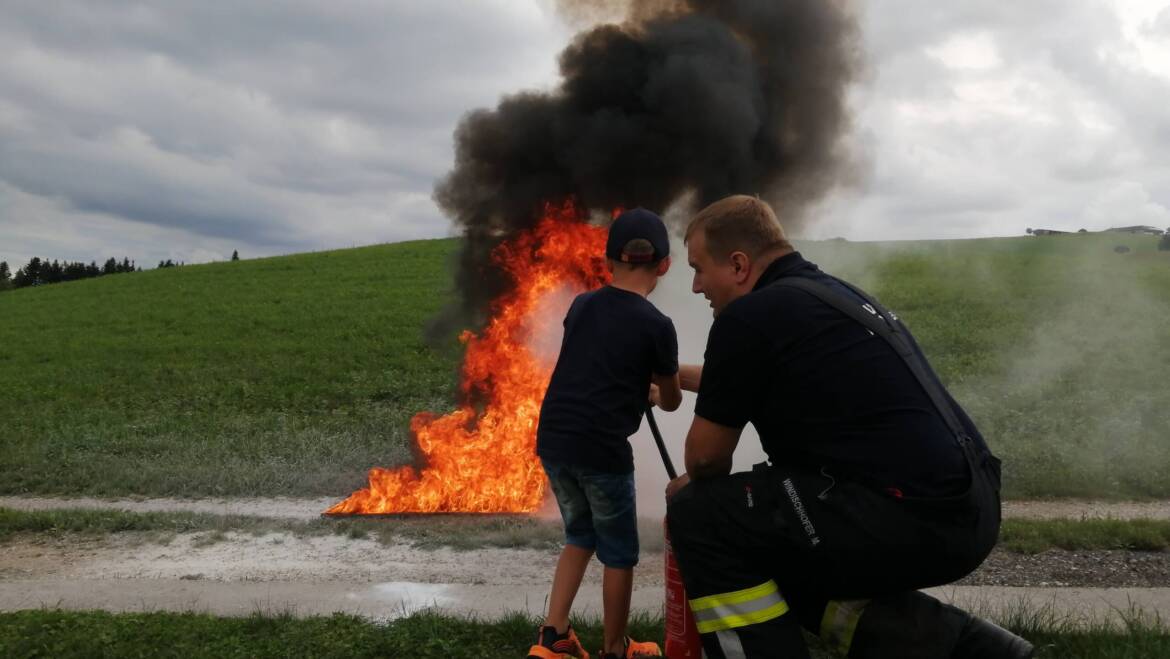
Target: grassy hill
[[288, 375], [293, 375]]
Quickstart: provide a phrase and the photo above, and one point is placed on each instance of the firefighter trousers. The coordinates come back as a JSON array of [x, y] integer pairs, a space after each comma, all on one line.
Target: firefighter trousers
[[766, 552]]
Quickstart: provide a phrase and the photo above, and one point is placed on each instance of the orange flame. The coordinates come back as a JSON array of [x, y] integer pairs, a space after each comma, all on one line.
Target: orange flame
[[485, 461]]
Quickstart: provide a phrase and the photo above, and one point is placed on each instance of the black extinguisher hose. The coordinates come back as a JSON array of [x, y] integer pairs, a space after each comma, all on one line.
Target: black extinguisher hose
[[661, 445]]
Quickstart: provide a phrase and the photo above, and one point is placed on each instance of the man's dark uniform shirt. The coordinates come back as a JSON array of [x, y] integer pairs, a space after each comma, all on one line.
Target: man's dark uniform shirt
[[871, 497], [614, 339], [823, 392]]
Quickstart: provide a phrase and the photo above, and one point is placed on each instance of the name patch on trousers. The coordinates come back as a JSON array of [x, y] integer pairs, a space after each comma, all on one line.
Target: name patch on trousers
[[801, 513]]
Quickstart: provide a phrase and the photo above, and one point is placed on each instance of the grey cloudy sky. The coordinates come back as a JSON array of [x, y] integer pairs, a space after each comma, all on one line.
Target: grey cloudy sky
[[185, 130]]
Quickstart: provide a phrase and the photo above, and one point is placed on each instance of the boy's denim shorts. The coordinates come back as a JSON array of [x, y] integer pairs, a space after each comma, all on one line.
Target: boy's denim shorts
[[599, 511]]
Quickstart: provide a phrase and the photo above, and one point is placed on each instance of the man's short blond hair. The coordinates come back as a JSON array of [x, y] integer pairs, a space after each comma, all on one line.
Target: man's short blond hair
[[739, 224]]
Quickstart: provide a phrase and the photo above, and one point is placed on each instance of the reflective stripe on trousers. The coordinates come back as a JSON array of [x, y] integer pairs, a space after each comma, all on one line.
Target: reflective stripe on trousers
[[840, 622], [750, 606]]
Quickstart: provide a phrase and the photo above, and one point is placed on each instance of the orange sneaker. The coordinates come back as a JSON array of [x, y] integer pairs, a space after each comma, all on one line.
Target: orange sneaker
[[551, 645], [635, 649]]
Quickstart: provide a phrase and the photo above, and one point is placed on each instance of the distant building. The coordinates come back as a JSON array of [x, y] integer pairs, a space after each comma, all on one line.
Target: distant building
[[1141, 229]]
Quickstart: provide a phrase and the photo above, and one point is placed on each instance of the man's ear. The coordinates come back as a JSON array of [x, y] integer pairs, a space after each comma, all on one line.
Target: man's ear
[[741, 265]]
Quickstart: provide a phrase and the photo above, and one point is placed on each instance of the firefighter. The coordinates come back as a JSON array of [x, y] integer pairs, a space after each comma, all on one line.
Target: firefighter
[[877, 485]]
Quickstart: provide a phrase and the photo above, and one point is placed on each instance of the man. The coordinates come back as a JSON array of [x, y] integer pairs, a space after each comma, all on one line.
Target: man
[[878, 484]]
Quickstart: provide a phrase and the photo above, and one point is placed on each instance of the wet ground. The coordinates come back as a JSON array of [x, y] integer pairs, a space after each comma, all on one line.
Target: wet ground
[[238, 573]]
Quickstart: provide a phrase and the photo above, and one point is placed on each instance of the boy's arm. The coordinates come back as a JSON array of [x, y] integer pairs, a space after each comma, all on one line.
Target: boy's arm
[[689, 376], [665, 392]]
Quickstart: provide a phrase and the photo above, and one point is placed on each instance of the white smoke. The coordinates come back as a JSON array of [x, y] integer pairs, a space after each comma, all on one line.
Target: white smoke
[[692, 320]]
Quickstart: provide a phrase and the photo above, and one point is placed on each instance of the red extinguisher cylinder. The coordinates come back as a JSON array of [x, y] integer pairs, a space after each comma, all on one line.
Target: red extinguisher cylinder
[[682, 637]]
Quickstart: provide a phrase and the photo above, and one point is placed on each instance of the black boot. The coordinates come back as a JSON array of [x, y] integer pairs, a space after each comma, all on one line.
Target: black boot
[[910, 625], [913, 625], [980, 639]]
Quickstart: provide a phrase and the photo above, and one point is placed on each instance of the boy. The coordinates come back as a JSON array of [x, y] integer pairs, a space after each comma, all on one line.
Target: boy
[[616, 345]]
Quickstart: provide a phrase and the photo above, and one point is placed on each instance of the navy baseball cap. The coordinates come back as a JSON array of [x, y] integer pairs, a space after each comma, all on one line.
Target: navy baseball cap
[[634, 224]]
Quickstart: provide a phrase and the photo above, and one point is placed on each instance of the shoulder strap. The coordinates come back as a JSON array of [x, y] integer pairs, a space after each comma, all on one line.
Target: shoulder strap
[[881, 322]]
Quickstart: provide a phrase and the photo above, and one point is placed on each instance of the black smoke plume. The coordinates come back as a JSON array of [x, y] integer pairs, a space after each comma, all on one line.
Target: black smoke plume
[[710, 97]]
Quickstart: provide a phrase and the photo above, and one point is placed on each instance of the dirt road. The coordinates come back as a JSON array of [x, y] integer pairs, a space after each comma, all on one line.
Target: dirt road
[[304, 509], [238, 573]]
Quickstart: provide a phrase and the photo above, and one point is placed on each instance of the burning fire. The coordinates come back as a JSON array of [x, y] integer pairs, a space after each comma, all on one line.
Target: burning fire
[[484, 460]]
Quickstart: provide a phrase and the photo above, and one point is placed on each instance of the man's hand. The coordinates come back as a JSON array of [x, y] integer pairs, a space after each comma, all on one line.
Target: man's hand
[[677, 484], [689, 376], [655, 395]]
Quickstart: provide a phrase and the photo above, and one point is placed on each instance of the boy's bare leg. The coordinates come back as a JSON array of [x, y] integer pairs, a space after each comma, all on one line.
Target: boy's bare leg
[[616, 586], [567, 579]]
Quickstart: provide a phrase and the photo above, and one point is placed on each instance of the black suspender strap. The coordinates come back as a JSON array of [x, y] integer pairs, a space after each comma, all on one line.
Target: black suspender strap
[[881, 322]]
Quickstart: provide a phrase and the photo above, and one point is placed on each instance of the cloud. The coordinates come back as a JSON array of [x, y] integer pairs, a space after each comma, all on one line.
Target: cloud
[[185, 129], [32, 222], [1126, 203], [282, 127], [1159, 26], [982, 119]]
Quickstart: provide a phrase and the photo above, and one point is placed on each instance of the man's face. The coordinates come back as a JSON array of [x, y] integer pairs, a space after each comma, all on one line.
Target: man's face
[[717, 280]]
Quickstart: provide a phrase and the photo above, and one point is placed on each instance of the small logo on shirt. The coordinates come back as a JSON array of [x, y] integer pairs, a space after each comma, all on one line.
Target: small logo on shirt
[[748, 491]]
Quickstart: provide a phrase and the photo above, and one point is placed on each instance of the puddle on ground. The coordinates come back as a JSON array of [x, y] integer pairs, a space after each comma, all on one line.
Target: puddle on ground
[[409, 597]]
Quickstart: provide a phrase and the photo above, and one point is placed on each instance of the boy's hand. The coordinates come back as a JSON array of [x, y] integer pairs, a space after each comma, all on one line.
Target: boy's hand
[[665, 392], [677, 484]]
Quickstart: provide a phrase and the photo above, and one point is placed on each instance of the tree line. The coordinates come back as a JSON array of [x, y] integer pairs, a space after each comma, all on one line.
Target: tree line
[[38, 272]]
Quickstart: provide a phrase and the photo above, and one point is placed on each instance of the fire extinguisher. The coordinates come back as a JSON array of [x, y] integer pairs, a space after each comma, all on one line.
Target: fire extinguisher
[[682, 637]]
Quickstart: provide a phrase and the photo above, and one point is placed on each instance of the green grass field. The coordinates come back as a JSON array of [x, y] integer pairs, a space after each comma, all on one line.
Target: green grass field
[[293, 375], [289, 375], [423, 635]]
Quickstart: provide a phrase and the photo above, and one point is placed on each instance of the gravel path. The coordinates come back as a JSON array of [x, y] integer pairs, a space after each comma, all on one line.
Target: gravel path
[[279, 573], [284, 557], [241, 573], [1059, 568], [1081, 509], [292, 508], [304, 576]]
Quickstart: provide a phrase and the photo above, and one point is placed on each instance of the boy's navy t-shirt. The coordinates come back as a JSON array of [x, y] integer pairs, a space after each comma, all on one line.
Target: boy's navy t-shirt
[[614, 339]]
